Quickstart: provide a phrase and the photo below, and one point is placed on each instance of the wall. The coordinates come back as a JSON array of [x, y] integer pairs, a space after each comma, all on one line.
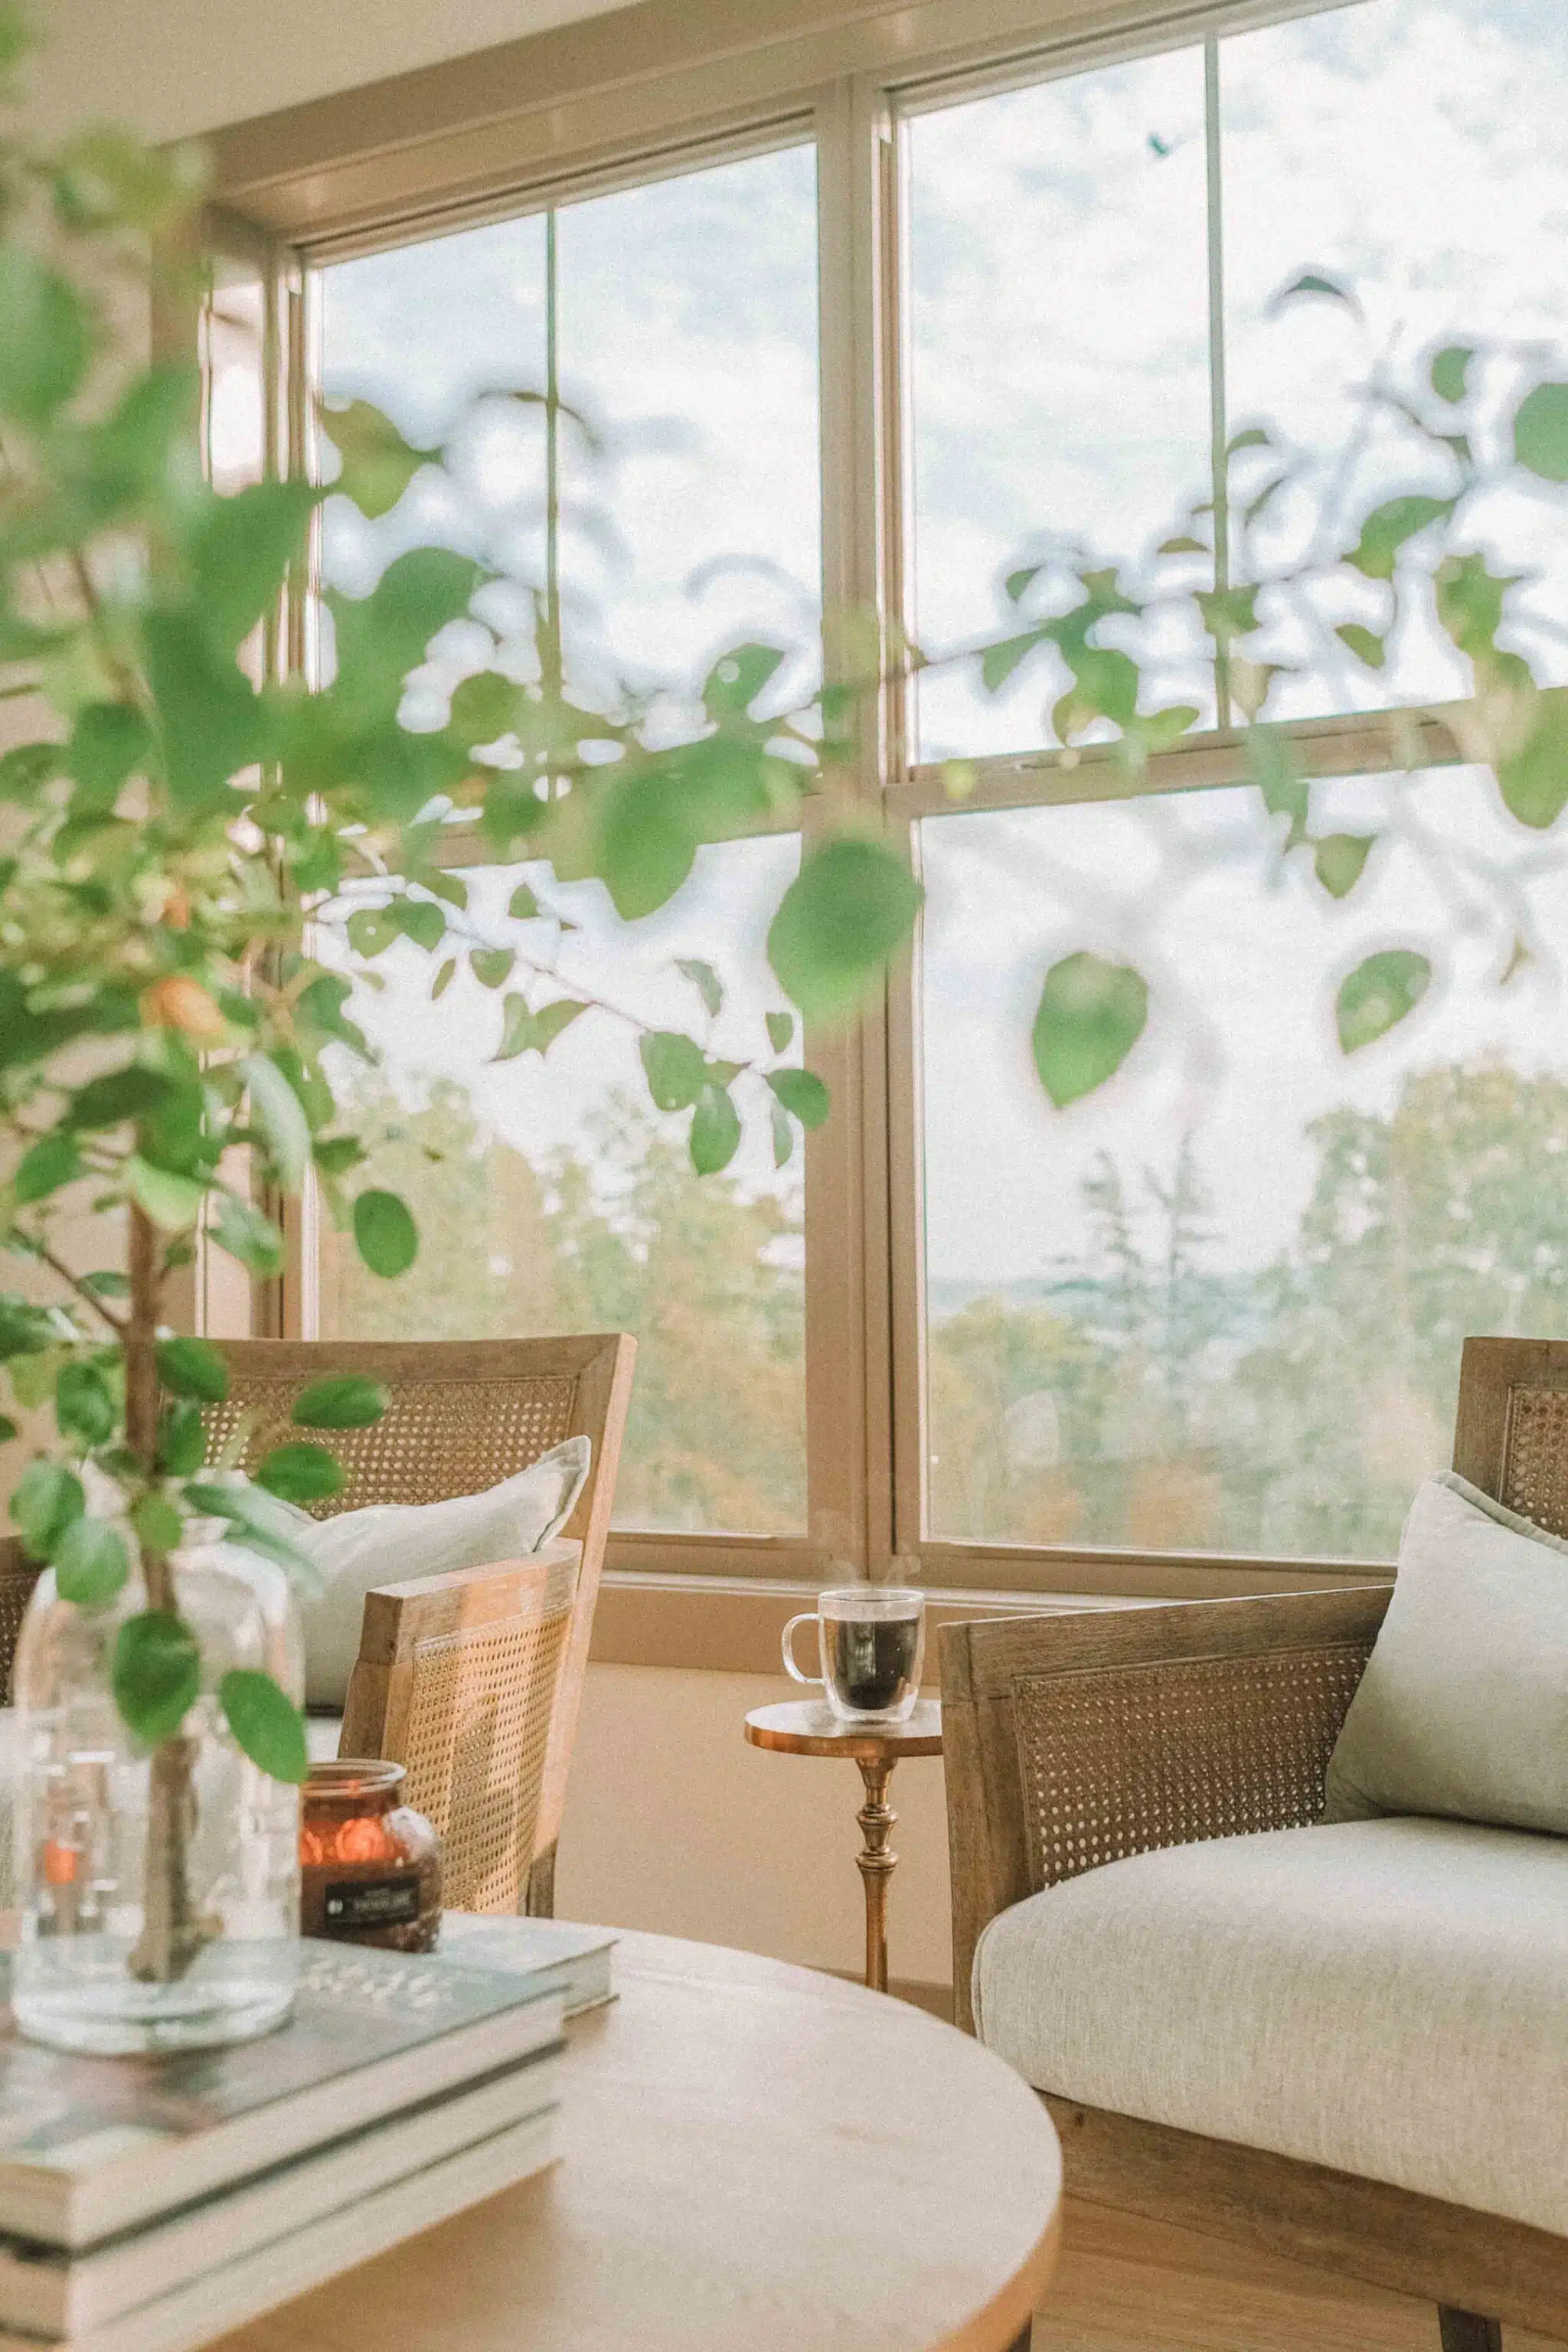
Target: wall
[[674, 1823], [175, 67]]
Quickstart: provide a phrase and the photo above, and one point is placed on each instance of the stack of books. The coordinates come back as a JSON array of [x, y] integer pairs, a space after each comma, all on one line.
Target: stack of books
[[148, 2205]]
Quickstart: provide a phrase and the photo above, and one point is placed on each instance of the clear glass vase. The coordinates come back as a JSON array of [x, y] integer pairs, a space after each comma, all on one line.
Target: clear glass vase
[[85, 1806]]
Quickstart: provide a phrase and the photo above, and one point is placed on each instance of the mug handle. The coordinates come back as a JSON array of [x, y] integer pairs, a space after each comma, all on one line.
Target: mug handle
[[806, 1617]]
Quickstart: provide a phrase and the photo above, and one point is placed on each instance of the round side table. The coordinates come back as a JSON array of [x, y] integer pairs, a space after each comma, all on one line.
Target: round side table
[[809, 1727]]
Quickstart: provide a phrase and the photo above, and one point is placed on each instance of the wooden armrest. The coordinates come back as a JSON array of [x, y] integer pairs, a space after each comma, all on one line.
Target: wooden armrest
[[1076, 1739]]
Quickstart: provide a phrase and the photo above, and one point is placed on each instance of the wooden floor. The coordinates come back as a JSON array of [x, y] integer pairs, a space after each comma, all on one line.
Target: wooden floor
[[1125, 2285]]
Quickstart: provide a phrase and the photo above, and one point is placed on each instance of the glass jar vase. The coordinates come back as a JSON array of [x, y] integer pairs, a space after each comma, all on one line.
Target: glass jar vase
[[111, 1873], [371, 1866]]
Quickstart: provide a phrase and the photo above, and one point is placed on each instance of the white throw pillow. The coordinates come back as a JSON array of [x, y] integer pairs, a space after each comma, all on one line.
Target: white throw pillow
[[1463, 1709], [391, 1543]]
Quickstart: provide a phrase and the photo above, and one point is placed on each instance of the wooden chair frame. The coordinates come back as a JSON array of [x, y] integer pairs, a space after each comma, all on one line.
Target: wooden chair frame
[[1264, 1769], [590, 1379]]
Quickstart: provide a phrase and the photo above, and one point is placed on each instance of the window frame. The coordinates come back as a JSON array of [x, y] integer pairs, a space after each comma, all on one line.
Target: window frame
[[620, 100]]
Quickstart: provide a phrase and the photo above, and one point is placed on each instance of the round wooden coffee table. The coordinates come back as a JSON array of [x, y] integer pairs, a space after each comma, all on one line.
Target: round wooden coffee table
[[757, 2158], [798, 1726]]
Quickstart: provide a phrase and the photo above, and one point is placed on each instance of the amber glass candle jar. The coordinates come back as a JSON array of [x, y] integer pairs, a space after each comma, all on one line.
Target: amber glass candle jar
[[370, 1866]]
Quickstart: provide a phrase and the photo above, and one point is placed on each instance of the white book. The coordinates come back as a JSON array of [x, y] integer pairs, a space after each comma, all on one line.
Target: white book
[[274, 2273], [46, 2291], [577, 1958]]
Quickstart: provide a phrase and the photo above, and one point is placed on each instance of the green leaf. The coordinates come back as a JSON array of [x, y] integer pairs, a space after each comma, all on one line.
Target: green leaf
[[1368, 647], [26, 768], [1533, 780], [182, 1440], [45, 336], [486, 707], [715, 1131], [108, 743], [781, 1030], [516, 1029], [117, 1096], [1338, 860], [109, 1284], [1018, 584], [450, 887], [47, 1499], [1379, 992], [783, 1134], [1540, 431], [242, 551], [334, 1155], [1271, 757], [998, 662], [85, 1408], [1388, 528], [443, 980], [801, 1093], [552, 1019], [174, 1202], [378, 463], [1091, 1015], [386, 1234], [850, 908], [301, 1474], [249, 1236], [193, 1368], [705, 981], [211, 722], [281, 1115], [491, 967], [8, 1429], [158, 1526], [522, 906], [421, 920], [346, 1401], [90, 1563], [1450, 370], [267, 1724], [1252, 436], [50, 1163], [647, 847], [156, 1675], [675, 1067], [1182, 545], [371, 930], [736, 679]]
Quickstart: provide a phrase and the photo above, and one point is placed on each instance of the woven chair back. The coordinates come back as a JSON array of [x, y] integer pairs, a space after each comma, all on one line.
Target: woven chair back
[[457, 1679]]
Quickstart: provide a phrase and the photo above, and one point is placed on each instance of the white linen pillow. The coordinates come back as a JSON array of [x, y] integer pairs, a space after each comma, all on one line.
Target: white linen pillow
[[390, 1543], [1463, 1709]]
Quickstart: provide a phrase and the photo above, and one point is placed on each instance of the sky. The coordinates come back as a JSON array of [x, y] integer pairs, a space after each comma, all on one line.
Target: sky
[[1059, 380]]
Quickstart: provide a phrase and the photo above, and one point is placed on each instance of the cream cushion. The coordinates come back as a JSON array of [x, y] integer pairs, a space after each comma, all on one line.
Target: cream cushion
[[391, 1543], [1463, 1708], [1389, 1998]]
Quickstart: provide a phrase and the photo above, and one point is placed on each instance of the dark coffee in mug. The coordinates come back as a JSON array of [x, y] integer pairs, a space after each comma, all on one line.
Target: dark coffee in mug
[[872, 1643], [871, 1664]]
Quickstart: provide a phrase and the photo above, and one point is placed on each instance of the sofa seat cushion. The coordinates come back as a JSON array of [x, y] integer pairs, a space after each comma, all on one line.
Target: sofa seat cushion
[[1388, 1998]]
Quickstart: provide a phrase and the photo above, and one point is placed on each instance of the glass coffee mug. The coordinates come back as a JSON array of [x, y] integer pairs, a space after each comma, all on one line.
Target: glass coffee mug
[[872, 1640]]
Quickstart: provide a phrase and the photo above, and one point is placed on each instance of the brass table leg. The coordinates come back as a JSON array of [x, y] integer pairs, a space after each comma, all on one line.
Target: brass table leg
[[877, 1862]]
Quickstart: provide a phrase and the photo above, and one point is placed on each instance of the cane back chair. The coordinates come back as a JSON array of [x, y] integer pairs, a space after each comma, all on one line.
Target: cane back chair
[[462, 1414], [1073, 1740]]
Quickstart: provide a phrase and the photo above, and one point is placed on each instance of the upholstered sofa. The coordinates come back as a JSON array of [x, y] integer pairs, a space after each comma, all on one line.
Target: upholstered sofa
[[1345, 2042]]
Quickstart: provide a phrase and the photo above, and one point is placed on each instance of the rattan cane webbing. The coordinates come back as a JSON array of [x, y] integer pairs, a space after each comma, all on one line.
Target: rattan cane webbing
[[15, 1591], [1125, 1759], [1536, 1457], [479, 1728], [438, 1438]]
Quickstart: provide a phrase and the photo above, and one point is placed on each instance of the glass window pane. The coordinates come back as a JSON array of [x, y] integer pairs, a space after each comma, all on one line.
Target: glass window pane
[[684, 317], [1417, 150], [1218, 1306], [1058, 353], [551, 1197]]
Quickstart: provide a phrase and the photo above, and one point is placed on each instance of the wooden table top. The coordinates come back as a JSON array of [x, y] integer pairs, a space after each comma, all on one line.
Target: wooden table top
[[808, 1726], [757, 2158]]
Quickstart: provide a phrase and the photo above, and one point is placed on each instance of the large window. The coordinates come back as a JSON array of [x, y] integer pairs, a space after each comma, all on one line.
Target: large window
[[913, 325]]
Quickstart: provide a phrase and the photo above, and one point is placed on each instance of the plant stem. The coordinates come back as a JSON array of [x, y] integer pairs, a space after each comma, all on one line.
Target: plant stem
[[171, 1937]]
